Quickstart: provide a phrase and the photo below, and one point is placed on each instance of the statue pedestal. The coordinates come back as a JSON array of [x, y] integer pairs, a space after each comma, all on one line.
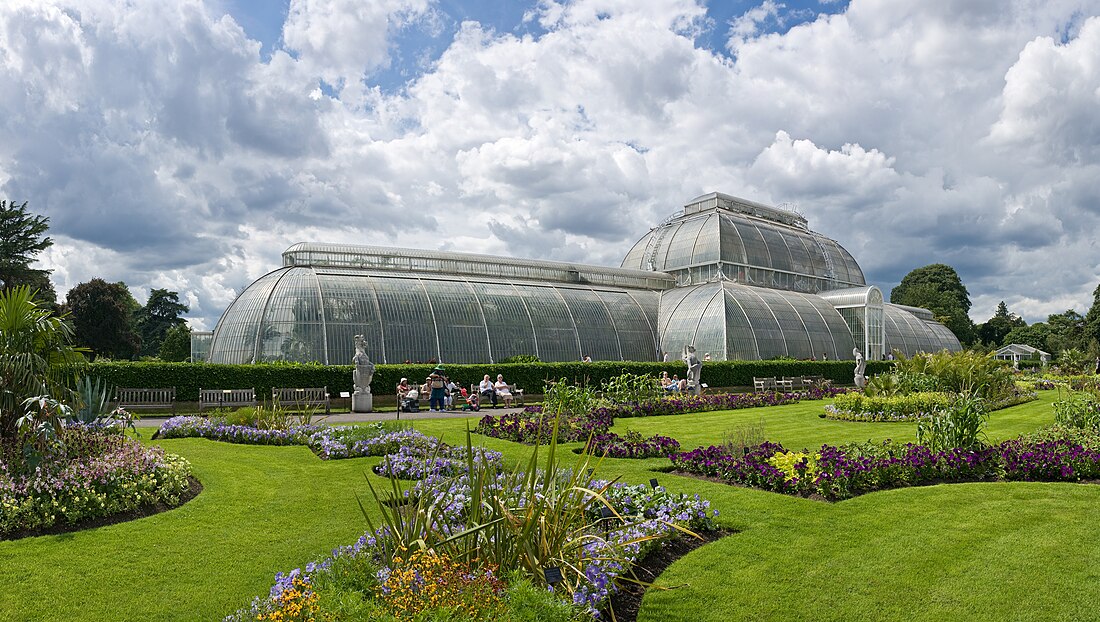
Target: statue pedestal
[[362, 402]]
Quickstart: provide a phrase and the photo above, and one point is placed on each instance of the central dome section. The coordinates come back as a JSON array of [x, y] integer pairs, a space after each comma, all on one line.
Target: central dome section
[[720, 237]]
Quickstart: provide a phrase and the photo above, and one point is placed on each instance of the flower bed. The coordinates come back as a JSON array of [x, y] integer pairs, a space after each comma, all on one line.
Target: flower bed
[[417, 461], [860, 407], [328, 442], [91, 474], [842, 472], [606, 528], [633, 445], [530, 427]]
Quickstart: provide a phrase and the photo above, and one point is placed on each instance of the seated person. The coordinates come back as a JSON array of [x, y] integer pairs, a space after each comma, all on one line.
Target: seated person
[[450, 389], [472, 402], [666, 382], [487, 391], [503, 391], [408, 397], [675, 384]]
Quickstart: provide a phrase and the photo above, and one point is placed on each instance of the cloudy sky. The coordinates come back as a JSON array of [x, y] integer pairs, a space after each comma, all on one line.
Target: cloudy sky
[[185, 143]]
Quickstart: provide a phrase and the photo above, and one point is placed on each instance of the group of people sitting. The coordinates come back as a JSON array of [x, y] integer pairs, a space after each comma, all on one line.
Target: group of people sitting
[[443, 393], [494, 391], [675, 384]]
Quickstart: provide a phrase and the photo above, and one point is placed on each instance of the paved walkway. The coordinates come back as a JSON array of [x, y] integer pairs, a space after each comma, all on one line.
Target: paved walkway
[[155, 421]]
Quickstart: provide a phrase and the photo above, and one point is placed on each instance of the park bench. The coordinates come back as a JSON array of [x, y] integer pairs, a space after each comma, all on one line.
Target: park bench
[[762, 385], [298, 399], [146, 399], [517, 393], [226, 398]]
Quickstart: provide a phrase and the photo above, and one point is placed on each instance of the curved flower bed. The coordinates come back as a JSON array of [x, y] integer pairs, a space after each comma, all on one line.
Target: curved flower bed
[[92, 474], [328, 442], [418, 461], [647, 517], [842, 472], [633, 445], [859, 407], [532, 427]]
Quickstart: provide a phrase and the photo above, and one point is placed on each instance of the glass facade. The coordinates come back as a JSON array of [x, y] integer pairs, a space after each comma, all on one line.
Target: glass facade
[[309, 314], [738, 322], [738, 279], [722, 237]]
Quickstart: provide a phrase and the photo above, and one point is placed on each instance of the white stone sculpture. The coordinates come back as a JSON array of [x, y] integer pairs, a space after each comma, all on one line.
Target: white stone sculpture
[[362, 401]]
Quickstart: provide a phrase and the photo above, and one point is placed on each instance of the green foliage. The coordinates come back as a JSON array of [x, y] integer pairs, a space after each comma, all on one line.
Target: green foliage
[[1074, 362], [36, 357], [102, 317], [188, 378], [1079, 410], [937, 287], [860, 407], [1034, 335], [630, 388], [521, 358], [93, 400], [993, 331], [21, 239], [1066, 332], [161, 313], [528, 603], [961, 425], [569, 398], [959, 372], [176, 345]]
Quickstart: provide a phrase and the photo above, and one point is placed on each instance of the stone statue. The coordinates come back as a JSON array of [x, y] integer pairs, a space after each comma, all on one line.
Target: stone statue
[[695, 370], [362, 401], [861, 369]]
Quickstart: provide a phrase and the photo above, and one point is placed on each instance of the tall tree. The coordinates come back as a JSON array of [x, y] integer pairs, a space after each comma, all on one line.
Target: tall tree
[[992, 332], [102, 314], [937, 287], [177, 343], [1067, 331], [22, 237], [1092, 318], [1034, 335], [160, 313]]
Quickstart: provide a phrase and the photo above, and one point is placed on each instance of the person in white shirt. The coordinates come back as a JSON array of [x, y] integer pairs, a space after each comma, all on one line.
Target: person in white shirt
[[487, 390], [503, 391]]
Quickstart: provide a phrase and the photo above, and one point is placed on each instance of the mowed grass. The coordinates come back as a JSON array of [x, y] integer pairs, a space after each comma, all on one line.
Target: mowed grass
[[965, 551]]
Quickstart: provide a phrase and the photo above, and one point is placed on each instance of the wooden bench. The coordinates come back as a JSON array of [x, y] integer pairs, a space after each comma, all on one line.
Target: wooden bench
[[225, 398], [761, 385], [146, 399], [517, 393], [301, 398]]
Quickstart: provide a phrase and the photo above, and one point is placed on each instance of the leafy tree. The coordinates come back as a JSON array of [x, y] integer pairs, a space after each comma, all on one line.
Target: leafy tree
[[176, 345], [21, 239], [1092, 318], [1067, 332], [159, 314], [992, 332], [1034, 335], [937, 287], [36, 358], [103, 318]]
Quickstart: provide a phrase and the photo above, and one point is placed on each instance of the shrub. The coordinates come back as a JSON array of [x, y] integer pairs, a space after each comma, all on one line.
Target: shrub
[[860, 407], [1080, 410], [959, 426]]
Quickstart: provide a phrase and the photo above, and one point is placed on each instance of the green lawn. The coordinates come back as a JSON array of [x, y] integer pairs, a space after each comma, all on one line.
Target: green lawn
[[970, 551]]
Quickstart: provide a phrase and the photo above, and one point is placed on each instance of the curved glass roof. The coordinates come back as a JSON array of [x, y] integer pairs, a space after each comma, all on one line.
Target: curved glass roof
[[732, 321], [909, 334], [406, 260], [311, 314], [749, 243]]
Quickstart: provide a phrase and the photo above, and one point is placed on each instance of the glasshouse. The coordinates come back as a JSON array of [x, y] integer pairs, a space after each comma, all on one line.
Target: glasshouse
[[734, 278]]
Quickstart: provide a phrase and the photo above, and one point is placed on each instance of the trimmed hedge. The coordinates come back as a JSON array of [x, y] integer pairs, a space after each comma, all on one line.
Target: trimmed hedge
[[188, 378]]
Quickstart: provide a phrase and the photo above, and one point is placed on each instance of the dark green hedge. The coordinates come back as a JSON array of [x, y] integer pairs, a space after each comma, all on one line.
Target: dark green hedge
[[188, 378]]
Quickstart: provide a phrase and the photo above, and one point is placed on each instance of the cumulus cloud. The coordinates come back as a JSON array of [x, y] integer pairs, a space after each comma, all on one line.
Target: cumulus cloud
[[169, 153]]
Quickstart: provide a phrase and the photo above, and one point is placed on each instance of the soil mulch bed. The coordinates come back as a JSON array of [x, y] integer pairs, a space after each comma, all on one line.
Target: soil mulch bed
[[628, 600], [193, 490]]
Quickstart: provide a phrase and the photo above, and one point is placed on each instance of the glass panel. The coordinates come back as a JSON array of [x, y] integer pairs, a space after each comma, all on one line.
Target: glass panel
[[409, 331], [462, 336], [350, 309], [595, 328], [554, 330], [510, 330]]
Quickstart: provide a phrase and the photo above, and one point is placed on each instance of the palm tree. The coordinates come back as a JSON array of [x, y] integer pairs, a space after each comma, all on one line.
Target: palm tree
[[36, 356]]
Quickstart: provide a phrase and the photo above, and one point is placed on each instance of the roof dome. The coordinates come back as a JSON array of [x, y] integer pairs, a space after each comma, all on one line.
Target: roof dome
[[722, 237]]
